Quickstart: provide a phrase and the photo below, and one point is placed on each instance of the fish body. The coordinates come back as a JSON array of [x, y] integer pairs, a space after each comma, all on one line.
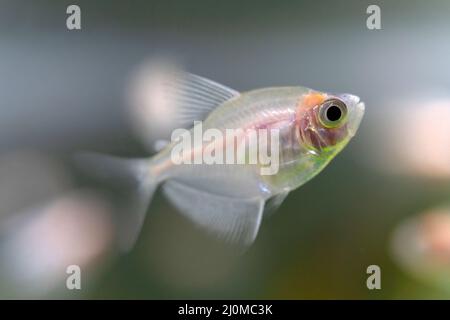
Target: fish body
[[269, 108], [229, 199]]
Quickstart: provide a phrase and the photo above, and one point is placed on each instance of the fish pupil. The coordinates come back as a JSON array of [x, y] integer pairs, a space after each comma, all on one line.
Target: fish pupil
[[334, 113]]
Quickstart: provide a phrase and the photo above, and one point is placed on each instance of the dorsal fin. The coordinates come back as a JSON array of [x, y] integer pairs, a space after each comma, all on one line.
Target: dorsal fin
[[196, 96]]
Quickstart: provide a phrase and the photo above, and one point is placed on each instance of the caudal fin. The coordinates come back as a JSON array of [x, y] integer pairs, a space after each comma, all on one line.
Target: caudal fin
[[132, 177]]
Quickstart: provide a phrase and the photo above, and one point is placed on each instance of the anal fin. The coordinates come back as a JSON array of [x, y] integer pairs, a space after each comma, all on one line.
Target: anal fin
[[237, 220]]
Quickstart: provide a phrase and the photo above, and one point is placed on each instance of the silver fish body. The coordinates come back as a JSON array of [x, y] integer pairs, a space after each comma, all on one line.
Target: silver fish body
[[263, 108], [229, 199]]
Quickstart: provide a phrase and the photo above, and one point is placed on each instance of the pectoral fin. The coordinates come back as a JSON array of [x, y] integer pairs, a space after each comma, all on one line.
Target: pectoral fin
[[274, 203]]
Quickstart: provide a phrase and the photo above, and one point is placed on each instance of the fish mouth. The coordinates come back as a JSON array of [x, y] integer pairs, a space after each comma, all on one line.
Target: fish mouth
[[355, 116], [355, 112]]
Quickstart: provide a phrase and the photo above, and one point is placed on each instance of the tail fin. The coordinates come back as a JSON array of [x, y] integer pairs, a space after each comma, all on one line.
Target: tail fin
[[133, 177]]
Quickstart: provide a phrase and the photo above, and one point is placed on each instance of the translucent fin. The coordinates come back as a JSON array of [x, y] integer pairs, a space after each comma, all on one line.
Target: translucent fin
[[274, 203], [132, 178], [195, 96], [233, 219]]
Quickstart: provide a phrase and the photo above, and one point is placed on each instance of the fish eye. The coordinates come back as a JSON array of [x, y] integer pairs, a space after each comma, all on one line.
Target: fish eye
[[332, 112]]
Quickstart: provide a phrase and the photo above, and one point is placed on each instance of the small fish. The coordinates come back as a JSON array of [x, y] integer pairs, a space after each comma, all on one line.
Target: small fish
[[230, 200]]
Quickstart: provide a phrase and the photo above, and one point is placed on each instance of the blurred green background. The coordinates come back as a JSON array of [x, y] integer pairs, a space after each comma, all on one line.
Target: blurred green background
[[65, 91]]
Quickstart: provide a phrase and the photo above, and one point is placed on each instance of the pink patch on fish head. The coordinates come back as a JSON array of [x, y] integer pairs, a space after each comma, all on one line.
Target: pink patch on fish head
[[312, 130]]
